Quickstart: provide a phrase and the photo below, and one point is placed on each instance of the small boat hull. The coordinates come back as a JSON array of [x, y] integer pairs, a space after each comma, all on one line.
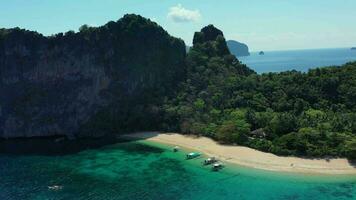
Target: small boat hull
[[210, 161], [192, 155], [217, 167]]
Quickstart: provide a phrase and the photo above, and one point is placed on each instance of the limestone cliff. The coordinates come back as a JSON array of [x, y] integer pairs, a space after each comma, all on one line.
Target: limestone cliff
[[62, 84]]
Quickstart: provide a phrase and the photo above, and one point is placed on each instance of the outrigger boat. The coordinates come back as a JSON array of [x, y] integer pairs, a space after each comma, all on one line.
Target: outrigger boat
[[217, 166], [210, 160], [193, 155]]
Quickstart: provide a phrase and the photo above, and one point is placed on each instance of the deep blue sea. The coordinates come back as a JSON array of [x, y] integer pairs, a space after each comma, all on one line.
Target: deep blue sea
[[300, 60]]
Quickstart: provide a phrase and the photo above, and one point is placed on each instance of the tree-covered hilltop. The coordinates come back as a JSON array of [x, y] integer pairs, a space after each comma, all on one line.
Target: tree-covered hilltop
[[289, 113]]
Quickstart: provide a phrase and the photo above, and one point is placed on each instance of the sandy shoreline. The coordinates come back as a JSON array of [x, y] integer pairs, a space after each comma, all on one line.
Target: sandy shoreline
[[249, 157]]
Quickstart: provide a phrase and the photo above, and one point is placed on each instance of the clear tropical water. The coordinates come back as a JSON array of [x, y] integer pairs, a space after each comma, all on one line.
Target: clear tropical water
[[142, 170], [301, 60]]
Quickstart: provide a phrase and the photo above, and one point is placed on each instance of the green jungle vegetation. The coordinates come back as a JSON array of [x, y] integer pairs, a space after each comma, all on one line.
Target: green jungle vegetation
[[290, 113], [209, 92]]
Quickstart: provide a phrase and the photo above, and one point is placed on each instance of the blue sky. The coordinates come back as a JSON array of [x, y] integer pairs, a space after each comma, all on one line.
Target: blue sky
[[262, 24]]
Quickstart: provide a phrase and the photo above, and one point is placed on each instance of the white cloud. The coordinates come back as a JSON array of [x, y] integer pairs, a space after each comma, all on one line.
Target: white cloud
[[180, 14]]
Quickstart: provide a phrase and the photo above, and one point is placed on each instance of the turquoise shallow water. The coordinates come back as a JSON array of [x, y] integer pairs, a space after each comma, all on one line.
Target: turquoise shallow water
[[144, 170]]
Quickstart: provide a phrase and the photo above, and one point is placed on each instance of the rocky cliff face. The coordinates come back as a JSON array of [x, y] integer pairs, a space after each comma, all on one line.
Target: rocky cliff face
[[60, 85]]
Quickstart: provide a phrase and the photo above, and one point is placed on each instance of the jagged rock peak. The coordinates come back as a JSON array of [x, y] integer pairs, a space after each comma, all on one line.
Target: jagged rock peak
[[212, 40], [208, 33]]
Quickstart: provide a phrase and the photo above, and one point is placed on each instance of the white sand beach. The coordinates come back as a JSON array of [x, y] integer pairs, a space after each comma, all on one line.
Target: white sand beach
[[249, 157]]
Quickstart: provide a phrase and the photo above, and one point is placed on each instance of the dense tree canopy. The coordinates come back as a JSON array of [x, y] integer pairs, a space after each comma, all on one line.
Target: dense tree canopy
[[304, 114]]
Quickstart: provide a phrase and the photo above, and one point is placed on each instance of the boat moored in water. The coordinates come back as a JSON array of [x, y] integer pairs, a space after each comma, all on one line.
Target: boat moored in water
[[55, 187], [217, 166], [210, 160], [193, 155]]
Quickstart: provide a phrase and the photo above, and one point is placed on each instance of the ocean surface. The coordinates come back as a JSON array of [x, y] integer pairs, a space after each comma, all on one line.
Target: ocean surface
[[300, 60], [142, 170]]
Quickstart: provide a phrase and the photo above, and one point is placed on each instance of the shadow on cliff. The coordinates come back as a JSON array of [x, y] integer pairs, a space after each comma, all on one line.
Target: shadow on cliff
[[54, 146]]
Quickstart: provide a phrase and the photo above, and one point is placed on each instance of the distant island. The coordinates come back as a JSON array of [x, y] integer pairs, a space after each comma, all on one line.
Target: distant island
[[353, 48], [261, 53], [237, 48]]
